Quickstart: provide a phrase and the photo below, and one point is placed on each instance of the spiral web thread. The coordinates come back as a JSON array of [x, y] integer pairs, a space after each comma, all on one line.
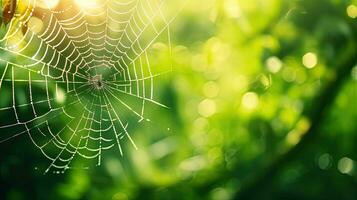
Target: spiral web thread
[[87, 67]]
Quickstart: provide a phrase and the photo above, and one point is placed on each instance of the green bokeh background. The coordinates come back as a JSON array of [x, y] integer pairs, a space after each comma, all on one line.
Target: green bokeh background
[[246, 118]]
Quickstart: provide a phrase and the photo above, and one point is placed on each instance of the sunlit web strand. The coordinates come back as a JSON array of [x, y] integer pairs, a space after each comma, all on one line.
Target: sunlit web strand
[[81, 68]]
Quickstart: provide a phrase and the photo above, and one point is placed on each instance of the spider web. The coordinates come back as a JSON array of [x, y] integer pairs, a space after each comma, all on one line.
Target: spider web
[[79, 75]]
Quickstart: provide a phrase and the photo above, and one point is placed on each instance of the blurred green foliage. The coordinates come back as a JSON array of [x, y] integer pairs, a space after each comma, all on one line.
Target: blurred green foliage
[[245, 77]]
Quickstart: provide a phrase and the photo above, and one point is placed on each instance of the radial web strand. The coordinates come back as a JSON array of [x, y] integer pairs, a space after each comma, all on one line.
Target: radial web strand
[[74, 75]]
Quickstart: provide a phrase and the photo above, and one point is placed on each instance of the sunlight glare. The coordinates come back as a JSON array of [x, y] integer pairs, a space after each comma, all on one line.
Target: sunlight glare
[[48, 4], [87, 4]]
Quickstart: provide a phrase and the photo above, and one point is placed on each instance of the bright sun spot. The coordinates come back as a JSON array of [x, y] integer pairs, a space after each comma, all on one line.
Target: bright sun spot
[[250, 100], [232, 9], [309, 60], [345, 165], [87, 4], [35, 24], [352, 11], [60, 95], [207, 108], [48, 3], [274, 64]]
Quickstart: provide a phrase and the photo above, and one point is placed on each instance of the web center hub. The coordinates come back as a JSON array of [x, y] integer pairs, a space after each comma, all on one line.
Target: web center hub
[[97, 82]]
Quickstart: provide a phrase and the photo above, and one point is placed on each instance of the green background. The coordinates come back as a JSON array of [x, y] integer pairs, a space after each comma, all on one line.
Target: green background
[[247, 119]]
